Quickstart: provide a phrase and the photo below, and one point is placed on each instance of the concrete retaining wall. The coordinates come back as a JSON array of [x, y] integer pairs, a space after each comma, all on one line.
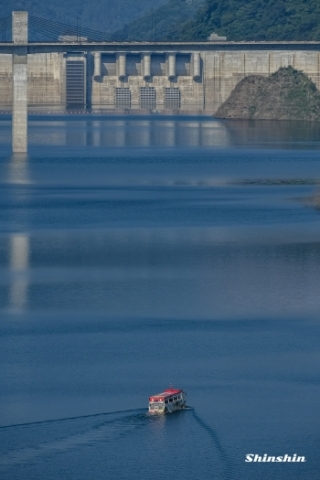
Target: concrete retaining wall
[[204, 78]]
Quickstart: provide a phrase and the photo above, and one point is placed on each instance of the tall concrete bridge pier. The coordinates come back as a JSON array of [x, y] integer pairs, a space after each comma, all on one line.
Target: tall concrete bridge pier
[[19, 74]]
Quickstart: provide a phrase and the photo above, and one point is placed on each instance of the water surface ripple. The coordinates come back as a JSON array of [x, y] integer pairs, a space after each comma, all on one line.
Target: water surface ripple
[[139, 251]]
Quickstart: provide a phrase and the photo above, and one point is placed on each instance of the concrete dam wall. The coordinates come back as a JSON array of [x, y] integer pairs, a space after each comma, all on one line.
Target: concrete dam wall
[[191, 78]]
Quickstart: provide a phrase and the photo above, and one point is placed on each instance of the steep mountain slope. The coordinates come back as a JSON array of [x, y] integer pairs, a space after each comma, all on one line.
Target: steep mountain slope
[[183, 19], [162, 23], [102, 15], [255, 20], [286, 95]]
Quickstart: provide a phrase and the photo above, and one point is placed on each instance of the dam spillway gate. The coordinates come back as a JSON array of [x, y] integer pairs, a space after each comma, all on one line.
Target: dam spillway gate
[[75, 84]]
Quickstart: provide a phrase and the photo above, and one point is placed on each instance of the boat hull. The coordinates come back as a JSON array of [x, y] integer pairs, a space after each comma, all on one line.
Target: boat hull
[[167, 402], [167, 410]]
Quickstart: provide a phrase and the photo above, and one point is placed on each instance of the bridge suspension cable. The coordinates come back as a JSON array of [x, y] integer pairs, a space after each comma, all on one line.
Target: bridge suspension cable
[[41, 29], [44, 30]]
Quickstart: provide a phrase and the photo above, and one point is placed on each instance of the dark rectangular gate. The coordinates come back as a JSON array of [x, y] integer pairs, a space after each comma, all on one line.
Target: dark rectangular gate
[[148, 98], [122, 98], [172, 98], [75, 83]]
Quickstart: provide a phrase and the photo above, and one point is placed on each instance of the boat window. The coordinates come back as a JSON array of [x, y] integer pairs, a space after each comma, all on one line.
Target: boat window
[[170, 399], [175, 398], [166, 401]]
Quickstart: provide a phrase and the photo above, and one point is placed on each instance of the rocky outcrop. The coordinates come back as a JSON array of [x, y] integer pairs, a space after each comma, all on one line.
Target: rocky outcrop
[[287, 94]]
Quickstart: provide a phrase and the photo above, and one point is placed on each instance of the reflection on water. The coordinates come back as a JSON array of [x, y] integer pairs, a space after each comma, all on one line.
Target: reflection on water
[[157, 425], [129, 268], [159, 131], [145, 134], [274, 134], [187, 274], [19, 263], [19, 252], [119, 133], [18, 172]]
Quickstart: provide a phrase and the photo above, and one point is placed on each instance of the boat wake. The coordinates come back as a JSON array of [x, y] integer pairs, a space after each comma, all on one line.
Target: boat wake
[[228, 466], [56, 436], [64, 419], [36, 442]]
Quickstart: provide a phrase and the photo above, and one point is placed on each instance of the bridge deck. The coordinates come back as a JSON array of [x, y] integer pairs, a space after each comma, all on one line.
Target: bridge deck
[[60, 47]]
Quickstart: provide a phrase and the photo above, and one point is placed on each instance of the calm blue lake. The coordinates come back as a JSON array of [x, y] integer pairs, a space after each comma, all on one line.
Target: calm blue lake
[[141, 251]]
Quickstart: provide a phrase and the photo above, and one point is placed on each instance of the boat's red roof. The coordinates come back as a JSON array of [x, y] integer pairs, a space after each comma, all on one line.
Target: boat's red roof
[[167, 393]]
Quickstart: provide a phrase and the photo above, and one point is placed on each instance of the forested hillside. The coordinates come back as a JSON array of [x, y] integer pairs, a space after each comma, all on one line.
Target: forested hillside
[[255, 20], [102, 15], [183, 19], [162, 23]]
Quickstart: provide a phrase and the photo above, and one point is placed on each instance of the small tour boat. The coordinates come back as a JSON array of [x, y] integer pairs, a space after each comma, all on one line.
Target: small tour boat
[[168, 401]]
